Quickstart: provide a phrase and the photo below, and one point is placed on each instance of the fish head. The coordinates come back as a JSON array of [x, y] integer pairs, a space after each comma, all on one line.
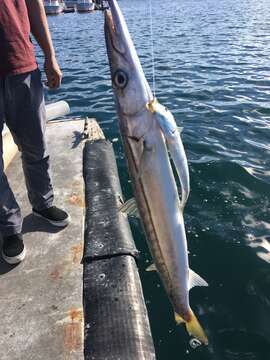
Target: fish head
[[130, 86]]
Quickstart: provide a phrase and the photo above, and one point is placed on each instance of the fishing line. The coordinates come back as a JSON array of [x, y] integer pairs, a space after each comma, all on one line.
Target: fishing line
[[152, 48]]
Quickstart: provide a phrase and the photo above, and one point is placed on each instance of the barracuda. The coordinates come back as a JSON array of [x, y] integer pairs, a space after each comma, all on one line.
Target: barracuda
[[148, 131]]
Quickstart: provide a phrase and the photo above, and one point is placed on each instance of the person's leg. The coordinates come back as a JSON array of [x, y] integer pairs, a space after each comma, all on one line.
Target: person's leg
[[26, 119], [13, 250], [10, 214]]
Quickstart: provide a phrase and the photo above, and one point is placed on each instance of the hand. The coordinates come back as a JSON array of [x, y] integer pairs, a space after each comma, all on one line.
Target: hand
[[53, 73]]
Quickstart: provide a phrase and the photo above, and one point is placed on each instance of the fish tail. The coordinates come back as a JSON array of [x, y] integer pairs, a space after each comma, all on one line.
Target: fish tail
[[193, 327]]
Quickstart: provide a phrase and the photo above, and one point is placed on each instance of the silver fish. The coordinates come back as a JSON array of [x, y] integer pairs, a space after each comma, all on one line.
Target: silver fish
[[148, 131]]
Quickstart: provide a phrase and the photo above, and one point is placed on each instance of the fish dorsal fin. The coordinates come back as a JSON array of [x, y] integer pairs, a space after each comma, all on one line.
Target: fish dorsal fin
[[130, 208], [195, 280]]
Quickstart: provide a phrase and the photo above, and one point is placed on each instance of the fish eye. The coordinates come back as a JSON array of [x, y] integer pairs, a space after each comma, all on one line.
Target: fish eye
[[120, 79]]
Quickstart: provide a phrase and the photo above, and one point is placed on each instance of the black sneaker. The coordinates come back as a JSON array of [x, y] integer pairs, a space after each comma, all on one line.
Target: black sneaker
[[54, 216], [13, 250]]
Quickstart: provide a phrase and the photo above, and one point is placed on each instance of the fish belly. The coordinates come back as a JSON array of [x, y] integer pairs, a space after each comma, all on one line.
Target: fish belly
[[158, 203]]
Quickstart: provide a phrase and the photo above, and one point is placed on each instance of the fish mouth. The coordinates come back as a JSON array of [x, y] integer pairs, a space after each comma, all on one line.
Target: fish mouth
[[109, 27], [124, 62], [113, 33], [109, 24], [109, 30], [113, 18]]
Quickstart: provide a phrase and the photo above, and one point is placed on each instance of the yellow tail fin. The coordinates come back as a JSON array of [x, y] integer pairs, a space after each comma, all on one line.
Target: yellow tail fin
[[178, 319], [194, 329]]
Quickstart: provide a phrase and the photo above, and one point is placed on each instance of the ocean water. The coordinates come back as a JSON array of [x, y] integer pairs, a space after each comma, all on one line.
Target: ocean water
[[212, 64]]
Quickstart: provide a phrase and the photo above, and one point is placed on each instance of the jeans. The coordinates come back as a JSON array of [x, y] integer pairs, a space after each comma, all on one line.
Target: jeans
[[22, 106]]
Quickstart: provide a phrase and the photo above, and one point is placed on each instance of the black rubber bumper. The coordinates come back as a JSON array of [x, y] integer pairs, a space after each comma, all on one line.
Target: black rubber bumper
[[116, 321]]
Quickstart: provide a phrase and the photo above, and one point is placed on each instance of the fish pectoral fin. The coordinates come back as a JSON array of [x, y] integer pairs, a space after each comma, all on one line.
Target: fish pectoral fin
[[140, 170], [178, 319], [152, 267], [194, 329], [147, 151], [195, 280], [129, 208]]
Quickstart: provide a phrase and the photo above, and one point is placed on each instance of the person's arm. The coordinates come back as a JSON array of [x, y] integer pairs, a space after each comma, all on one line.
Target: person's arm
[[40, 30]]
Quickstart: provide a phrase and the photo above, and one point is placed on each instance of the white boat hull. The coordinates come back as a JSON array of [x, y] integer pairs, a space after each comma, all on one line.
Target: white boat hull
[[85, 7], [71, 4], [53, 9]]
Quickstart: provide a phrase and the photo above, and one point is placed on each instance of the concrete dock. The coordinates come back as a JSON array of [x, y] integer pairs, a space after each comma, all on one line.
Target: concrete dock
[[41, 298], [78, 294]]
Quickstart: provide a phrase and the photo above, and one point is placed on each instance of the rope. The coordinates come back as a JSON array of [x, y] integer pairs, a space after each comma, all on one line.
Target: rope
[[152, 48]]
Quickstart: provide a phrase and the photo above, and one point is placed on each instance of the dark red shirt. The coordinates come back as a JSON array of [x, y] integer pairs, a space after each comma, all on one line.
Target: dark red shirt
[[16, 49]]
